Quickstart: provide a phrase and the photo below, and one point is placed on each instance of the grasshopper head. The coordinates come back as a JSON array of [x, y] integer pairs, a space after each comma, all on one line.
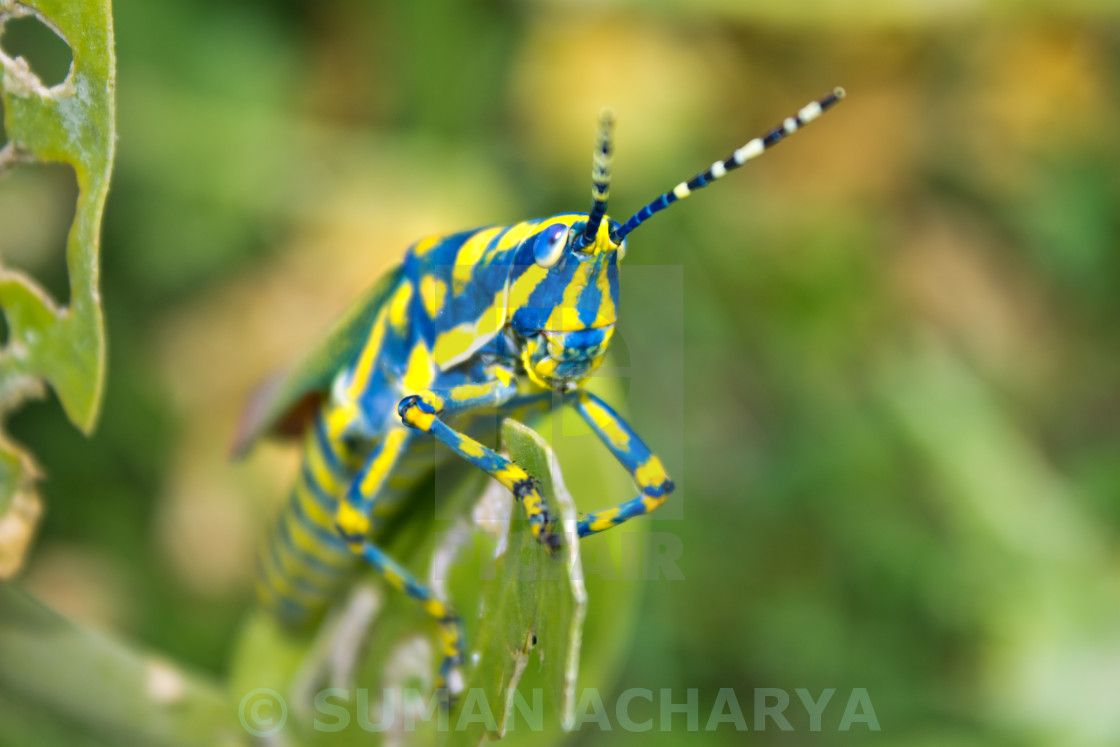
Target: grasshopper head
[[563, 299]]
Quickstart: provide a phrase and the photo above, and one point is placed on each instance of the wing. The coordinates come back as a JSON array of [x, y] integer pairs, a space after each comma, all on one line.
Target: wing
[[287, 400]]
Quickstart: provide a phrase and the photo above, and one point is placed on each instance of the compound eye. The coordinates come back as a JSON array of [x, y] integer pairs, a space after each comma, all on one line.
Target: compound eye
[[549, 245], [622, 250]]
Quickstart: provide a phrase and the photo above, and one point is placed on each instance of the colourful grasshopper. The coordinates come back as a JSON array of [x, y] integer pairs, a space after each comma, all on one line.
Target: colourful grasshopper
[[470, 327]]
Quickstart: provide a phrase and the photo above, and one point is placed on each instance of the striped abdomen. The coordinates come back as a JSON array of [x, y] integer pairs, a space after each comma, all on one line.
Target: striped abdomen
[[303, 562]]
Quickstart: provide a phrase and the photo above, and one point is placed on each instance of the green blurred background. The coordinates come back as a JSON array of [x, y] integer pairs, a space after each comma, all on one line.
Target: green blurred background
[[899, 453]]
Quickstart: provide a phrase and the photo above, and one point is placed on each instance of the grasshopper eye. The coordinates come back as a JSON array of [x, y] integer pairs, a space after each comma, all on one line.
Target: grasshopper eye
[[549, 245], [622, 250]]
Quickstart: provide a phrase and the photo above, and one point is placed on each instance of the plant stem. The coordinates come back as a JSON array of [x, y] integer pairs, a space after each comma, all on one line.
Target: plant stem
[[101, 686]]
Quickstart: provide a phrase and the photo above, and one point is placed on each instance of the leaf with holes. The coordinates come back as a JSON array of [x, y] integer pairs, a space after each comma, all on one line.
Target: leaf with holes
[[63, 346]]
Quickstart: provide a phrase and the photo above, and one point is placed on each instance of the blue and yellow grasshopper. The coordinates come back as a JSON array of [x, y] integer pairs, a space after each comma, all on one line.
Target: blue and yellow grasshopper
[[468, 328]]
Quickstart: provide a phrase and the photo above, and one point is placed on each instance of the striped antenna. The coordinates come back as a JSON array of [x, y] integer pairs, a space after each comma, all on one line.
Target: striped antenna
[[600, 178], [752, 149]]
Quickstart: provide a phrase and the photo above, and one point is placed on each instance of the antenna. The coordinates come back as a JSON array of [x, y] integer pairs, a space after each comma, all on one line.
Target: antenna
[[600, 178], [752, 149]]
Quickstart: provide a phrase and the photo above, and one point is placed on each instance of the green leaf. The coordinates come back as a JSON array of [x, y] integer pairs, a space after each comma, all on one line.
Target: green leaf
[[70, 123], [537, 603]]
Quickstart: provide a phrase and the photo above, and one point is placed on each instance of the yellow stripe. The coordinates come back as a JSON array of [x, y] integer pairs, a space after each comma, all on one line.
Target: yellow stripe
[[274, 580], [433, 291], [352, 521], [311, 546], [339, 419], [317, 464], [369, 356], [610, 426], [450, 644], [278, 580], [546, 368], [604, 520], [468, 256], [426, 245], [471, 391], [459, 341], [311, 507], [651, 474], [515, 235], [393, 578], [453, 343], [527, 352], [470, 447], [420, 372], [390, 450], [293, 567], [510, 474], [607, 313], [417, 418], [565, 317], [398, 306], [524, 286]]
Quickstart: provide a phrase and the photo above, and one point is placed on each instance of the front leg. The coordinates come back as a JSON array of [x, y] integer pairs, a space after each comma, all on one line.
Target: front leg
[[634, 455], [423, 412]]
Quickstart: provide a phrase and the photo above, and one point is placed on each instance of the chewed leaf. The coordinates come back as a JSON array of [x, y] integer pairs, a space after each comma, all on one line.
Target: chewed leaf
[[71, 123]]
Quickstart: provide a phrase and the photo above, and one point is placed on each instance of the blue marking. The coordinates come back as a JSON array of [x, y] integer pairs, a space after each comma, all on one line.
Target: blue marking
[[548, 294], [373, 555], [318, 492], [612, 280], [331, 539], [590, 299], [585, 339], [421, 325], [698, 181], [635, 453], [488, 277], [630, 509], [291, 610], [415, 590], [303, 584], [325, 446], [309, 560]]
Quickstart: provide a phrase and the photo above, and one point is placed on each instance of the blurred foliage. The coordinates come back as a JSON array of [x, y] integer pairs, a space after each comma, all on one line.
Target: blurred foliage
[[76, 685], [60, 114], [890, 402]]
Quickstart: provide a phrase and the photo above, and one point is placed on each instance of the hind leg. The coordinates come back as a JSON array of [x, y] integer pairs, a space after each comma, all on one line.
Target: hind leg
[[353, 521]]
